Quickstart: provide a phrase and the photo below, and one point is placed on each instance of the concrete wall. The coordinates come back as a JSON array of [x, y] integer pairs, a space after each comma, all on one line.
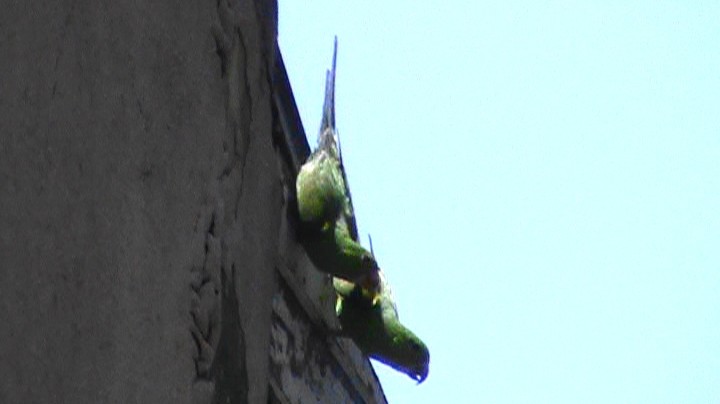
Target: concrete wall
[[146, 243]]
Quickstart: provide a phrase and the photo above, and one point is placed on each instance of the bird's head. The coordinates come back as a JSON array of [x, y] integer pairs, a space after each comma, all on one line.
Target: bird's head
[[410, 356], [419, 361]]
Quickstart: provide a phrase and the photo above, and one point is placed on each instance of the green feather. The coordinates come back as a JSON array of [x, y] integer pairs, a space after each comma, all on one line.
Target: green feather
[[374, 325], [320, 190], [333, 251]]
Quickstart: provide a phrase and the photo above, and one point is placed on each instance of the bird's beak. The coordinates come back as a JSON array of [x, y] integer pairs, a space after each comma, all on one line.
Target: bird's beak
[[420, 377]]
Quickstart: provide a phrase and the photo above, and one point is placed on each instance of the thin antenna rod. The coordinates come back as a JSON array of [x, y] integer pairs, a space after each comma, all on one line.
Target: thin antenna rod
[[371, 246]]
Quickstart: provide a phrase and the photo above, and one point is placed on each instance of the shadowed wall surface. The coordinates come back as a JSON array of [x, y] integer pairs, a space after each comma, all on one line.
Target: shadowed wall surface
[[144, 180]]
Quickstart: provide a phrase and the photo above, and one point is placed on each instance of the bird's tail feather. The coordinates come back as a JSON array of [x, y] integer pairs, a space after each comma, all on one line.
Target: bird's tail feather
[[327, 140]]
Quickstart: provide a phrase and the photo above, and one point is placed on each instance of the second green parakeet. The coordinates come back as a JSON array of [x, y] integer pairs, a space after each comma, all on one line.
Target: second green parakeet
[[372, 321]]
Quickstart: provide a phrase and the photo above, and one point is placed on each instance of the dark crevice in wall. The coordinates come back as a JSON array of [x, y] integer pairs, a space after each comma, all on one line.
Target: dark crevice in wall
[[229, 370], [205, 304]]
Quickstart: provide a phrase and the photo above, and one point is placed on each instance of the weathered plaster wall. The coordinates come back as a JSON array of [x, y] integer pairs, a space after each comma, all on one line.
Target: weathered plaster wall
[[146, 244], [132, 167]]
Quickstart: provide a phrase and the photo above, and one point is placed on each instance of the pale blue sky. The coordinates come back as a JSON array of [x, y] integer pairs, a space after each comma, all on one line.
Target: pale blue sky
[[542, 184]]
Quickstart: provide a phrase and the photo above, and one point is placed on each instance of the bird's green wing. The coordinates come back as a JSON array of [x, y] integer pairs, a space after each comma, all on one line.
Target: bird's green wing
[[320, 190]]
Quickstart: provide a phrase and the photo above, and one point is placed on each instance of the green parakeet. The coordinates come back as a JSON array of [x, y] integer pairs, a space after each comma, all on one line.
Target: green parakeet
[[327, 219], [371, 320]]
